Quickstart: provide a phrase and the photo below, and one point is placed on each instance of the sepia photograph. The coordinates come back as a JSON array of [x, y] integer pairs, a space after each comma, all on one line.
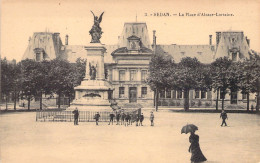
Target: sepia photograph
[[148, 81]]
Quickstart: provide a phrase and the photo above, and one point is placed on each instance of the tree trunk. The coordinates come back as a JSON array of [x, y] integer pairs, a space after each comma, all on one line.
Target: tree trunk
[[156, 99], [41, 101], [14, 100], [59, 100], [6, 105], [69, 100], [223, 100], [217, 99], [247, 101], [29, 102], [186, 99]]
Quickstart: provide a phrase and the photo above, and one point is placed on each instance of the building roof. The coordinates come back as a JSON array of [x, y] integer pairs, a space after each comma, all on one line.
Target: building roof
[[50, 43], [204, 53]]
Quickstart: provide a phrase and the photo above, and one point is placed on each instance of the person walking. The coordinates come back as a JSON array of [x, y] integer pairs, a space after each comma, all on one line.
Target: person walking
[[112, 115], [137, 119], [96, 117], [141, 119], [117, 118], [223, 115], [123, 118], [152, 118], [76, 116], [127, 117], [196, 153]]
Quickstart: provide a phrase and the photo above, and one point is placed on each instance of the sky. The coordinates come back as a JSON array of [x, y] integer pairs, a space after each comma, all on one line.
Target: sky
[[21, 18]]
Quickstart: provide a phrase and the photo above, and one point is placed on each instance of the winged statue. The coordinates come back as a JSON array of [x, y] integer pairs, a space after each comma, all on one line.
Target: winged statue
[[96, 30]]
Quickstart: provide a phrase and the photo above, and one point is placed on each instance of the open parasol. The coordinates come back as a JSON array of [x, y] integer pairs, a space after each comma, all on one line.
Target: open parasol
[[189, 128]]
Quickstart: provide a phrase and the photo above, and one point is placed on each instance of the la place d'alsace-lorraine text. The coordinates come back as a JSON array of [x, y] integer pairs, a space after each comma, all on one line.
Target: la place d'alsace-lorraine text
[[188, 14]]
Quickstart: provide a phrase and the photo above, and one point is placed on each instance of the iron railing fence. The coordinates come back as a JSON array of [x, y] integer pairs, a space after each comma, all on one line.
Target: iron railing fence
[[84, 116]]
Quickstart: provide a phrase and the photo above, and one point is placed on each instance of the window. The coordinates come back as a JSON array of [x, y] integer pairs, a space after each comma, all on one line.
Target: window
[[121, 75], [174, 94], [162, 94], [244, 96], [197, 94], [234, 56], [168, 93], [179, 94], [144, 92], [199, 53], [132, 75], [143, 75], [183, 53], [38, 56], [121, 92], [203, 94]]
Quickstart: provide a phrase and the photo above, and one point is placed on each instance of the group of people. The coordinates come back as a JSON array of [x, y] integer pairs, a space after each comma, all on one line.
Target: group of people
[[122, 118], [126, 118]]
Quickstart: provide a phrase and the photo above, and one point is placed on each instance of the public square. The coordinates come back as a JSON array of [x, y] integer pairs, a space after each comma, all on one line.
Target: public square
[[26, 141]]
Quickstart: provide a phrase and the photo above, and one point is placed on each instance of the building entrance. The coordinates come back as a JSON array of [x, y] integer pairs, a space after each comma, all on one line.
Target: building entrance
[[233, 97]]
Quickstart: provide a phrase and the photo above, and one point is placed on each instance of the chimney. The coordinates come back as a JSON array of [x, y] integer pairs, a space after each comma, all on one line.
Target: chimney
[[67, 40], [248, 41], [218, 36], [154, 41], [210, 39]]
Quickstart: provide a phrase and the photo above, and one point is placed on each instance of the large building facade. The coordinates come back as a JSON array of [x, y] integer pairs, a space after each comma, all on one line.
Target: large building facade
[[127, 63]]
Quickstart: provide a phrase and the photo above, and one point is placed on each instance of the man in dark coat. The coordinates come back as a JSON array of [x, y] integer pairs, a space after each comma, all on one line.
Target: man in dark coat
[[127, 118], [137, 118], [141, 119], [117, 118], [223, 115], [152, 118], [123, 118], [96, 117], [76, 116], [112, 115]]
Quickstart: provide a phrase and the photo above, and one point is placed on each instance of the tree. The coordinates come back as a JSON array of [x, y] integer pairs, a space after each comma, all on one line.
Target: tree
[[30, 78], [60, 78], [76, 75], [188, 77], [16, 82], [255, 80], [6, 79], [219, 70], [160, 68]]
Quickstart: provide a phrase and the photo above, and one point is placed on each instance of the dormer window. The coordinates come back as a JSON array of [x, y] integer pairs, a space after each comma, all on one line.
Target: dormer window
[[133, 42]]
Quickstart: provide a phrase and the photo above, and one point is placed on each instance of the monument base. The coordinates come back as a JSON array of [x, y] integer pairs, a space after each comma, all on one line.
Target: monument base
[[90, 108]]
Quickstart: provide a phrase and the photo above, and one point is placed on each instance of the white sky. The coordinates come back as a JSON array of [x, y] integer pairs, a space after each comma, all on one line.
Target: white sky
[[20, 18]]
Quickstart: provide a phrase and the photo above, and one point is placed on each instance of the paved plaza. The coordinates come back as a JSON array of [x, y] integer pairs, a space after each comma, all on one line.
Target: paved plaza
[[26, 141]]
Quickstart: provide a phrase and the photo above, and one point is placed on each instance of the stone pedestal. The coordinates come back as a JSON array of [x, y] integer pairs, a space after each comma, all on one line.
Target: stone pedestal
[[92, 94]]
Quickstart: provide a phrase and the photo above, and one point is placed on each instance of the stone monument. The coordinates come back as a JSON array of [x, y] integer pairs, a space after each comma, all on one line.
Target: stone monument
[[94, 91]]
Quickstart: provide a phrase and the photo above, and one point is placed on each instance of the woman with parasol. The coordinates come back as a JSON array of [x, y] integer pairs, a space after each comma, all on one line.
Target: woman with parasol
[[196, 153]]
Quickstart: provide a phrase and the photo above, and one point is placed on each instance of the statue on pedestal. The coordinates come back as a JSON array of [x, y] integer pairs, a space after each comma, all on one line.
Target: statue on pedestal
[[92, 72], [96, 30]]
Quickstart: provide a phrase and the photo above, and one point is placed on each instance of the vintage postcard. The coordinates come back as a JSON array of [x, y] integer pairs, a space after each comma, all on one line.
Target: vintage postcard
[[149, 81]]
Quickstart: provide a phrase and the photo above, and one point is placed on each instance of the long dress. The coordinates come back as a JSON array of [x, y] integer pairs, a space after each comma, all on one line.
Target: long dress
[[197, 155]]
